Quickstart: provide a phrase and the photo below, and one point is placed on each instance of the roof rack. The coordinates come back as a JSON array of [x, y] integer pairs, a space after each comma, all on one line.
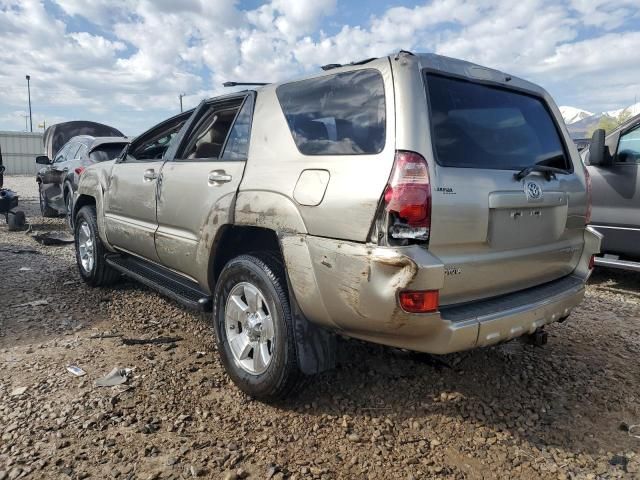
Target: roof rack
[[406, 52], [244, 84], [331, 66]]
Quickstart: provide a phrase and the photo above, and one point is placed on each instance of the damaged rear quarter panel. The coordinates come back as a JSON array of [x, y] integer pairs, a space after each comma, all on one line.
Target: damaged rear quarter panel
[[353, 287], [94, 183]]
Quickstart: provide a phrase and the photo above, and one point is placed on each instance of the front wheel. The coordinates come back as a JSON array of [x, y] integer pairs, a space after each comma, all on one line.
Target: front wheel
[[90, 252], [254, 327]]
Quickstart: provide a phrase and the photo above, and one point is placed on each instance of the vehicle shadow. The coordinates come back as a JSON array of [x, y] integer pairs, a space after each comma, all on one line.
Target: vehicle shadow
[[612, 278], [562, 395]]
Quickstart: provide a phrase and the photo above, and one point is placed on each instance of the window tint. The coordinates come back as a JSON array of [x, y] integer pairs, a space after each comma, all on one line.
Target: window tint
[[82, 150], [210, 134], [152, 145], [479, 126], [629, 147], [106, 151], [337, 114], [237, 147], [64, 153]]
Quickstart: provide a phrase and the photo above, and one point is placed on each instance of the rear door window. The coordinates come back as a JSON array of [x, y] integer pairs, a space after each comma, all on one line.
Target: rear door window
[[480, 126], [342, 114], [237, 146]]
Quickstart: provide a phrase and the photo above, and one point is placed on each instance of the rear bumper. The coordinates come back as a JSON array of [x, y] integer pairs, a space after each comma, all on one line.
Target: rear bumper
[[352, 288]]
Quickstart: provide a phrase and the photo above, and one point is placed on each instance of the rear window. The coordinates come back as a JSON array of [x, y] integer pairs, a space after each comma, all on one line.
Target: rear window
[[107, 151], [477, 126], [342, 114]]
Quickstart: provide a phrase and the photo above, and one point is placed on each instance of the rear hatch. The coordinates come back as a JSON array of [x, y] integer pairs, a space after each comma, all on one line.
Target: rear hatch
[[494, 232], [56, 136]]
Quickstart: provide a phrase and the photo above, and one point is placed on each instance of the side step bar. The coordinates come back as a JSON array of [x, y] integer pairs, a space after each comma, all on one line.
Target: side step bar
[[168, 283], [616, 263]]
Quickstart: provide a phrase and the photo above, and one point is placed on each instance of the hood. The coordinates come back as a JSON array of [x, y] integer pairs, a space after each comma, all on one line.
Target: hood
[[57, 135]]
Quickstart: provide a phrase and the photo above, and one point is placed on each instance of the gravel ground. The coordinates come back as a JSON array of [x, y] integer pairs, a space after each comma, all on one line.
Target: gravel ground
[[511, 411]]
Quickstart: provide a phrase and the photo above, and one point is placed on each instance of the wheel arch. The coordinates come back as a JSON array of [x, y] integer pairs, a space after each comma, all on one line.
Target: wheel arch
[[84, 200], [315, 345]]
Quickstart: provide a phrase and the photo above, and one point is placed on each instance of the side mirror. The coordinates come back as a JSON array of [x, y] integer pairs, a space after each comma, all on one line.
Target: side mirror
[[43, 160], [598, 152]]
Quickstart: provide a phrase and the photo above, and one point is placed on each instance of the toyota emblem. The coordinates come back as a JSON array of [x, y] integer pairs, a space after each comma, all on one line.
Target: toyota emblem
[[533, 191]]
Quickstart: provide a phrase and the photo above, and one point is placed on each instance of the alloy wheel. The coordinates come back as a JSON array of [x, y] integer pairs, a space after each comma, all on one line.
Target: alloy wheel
[[249, 328], [86, 248]]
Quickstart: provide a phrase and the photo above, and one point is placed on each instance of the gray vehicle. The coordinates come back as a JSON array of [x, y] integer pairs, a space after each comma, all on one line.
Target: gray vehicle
[[415, 201], [612, 162], [69, 146]]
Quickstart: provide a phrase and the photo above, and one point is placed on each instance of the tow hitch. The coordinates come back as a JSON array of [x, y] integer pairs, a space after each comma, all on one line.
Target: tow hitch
[[537, 338]]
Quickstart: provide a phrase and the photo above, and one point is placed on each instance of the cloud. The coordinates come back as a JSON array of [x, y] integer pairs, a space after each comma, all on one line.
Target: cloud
[[125, 61]]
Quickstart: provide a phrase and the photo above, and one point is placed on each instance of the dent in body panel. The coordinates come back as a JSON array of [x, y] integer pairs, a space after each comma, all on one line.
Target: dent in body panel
[[361, 281], [268, 210], [93, 183], [219, 215]]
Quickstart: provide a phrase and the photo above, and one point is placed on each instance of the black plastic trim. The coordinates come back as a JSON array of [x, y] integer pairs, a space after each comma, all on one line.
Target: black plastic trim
[[470, 310]]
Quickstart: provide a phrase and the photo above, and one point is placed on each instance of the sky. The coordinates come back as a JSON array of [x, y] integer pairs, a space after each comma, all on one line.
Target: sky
[[124, 62]]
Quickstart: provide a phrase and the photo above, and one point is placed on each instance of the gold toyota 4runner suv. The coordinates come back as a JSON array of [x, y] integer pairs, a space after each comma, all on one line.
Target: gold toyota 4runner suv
[[416, 201]]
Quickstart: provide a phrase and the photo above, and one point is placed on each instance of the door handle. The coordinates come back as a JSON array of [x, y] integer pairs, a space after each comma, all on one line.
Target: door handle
[[149, 175], [218, 177]]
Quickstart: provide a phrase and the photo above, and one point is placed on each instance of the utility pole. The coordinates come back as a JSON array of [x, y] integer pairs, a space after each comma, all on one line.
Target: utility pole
[[28, 77], [180, 97]]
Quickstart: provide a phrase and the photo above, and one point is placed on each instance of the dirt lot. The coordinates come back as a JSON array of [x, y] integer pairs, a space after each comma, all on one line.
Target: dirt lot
[[511, 411]]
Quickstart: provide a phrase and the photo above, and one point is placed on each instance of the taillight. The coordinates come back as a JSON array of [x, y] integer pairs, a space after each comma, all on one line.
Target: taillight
[[422, 301], [79, 170], [407, 198], [587, 177]]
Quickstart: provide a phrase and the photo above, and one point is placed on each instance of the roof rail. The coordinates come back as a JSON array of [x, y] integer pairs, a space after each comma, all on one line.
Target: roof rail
[[400, 52], [330, 66], [243, 84]]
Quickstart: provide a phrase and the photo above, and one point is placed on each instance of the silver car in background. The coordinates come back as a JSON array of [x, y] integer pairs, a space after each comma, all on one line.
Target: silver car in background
[[612, 162]]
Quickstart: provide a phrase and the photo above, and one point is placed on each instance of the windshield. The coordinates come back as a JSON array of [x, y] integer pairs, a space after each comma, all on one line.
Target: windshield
[[478, 126], [106, 151]]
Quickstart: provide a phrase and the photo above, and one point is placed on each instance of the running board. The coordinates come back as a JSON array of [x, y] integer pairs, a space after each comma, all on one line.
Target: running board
[[166, 282], [615, 263]]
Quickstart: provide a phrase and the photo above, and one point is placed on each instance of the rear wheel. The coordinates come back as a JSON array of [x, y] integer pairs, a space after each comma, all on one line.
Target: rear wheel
[[68, 201], [254, 327], [90, 252], [45, 209]]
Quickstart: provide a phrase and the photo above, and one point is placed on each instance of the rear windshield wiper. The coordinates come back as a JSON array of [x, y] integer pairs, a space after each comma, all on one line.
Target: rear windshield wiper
[[539, 166]]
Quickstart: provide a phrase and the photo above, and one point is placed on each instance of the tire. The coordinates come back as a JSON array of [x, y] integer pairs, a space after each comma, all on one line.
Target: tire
[[90, 252], [16, 221], [45, 209], [68, 202], [281, 375]]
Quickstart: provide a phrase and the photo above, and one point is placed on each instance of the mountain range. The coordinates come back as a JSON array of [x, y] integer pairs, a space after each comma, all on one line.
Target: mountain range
[[580, 122]]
